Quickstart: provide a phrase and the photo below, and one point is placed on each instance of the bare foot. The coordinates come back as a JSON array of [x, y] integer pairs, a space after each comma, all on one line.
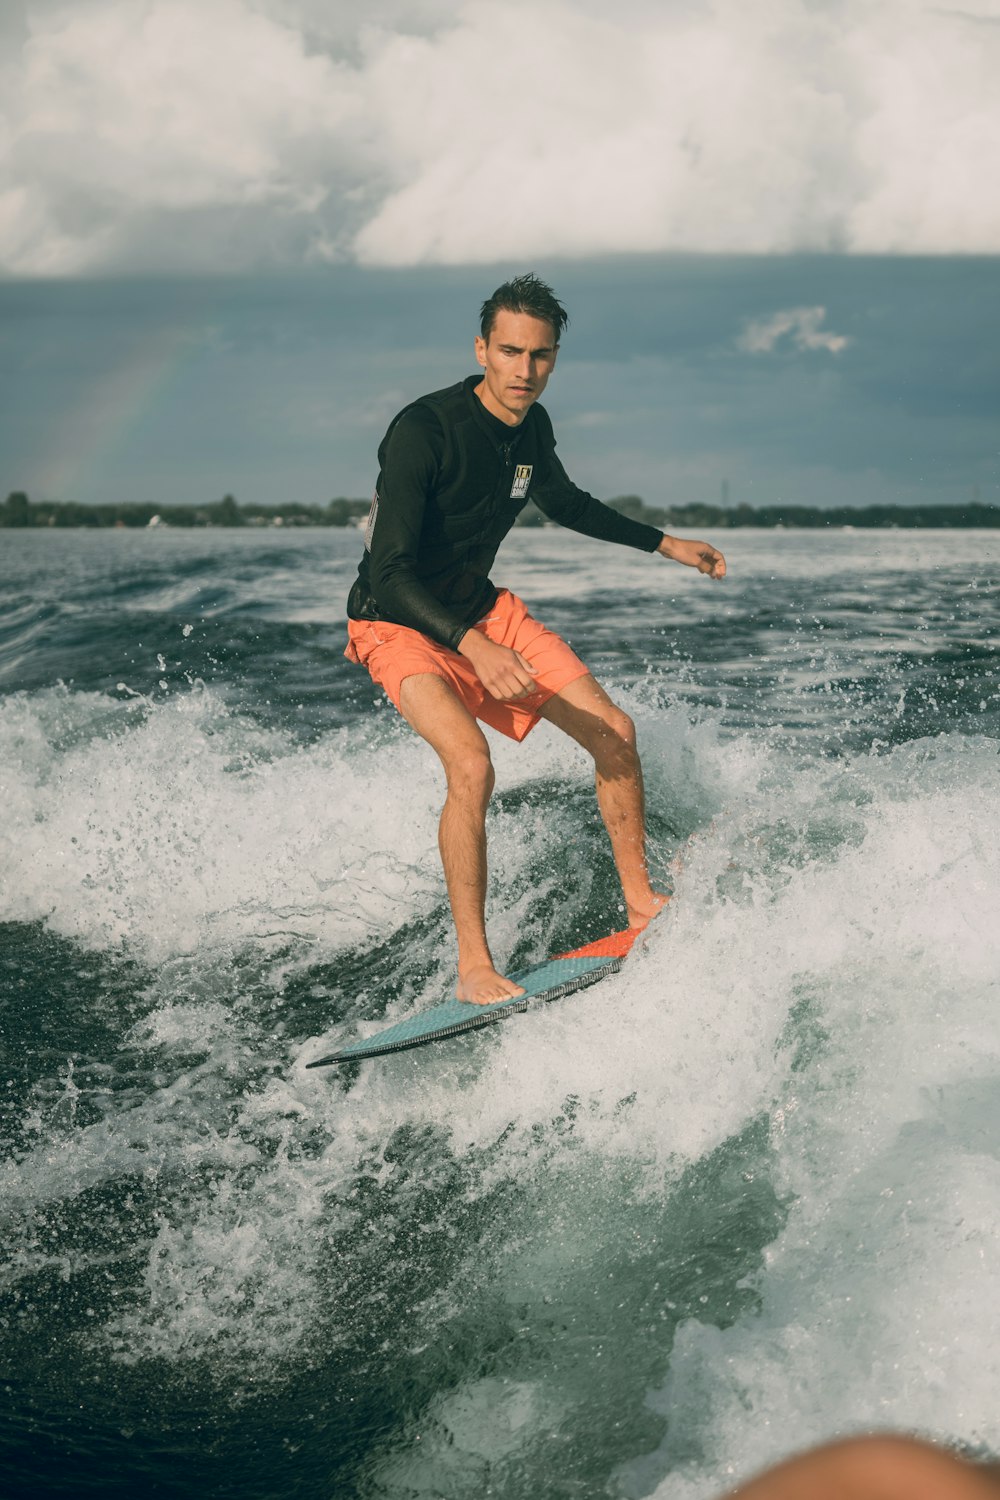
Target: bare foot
[[482, 985], [642, 914]]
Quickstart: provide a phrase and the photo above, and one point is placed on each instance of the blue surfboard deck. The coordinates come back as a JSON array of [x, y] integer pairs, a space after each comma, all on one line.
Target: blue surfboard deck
[[548, 981]]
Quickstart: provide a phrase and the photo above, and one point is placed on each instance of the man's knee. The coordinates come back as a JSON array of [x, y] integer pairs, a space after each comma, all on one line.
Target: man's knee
[[470, 772], [622, 727], [613, 743]]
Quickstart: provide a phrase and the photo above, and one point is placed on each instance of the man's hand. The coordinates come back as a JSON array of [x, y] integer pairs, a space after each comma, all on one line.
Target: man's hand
[[503, 673], [700, 555]]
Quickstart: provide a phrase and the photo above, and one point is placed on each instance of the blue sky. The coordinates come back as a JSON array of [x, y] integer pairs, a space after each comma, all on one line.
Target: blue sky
[[776, 228]]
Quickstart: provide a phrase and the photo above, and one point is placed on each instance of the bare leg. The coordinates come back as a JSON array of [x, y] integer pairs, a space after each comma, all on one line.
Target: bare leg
[[435, 712], [584, 711]]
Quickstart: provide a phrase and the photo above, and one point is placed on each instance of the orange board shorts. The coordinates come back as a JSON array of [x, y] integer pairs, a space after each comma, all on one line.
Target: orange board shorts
[[394, 652]]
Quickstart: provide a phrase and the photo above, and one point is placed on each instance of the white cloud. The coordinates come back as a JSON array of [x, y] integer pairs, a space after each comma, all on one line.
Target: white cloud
[[126, 117], [248, 132], [801, 325]]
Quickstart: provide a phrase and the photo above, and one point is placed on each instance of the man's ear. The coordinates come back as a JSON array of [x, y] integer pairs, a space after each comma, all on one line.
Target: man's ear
[[480, 346]]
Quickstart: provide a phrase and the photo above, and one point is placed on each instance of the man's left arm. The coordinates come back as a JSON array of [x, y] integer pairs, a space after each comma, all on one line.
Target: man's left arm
[[563, 501], [700, 555]]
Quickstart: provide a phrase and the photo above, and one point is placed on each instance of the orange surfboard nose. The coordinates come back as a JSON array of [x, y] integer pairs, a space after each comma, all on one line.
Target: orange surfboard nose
[[615, 945]]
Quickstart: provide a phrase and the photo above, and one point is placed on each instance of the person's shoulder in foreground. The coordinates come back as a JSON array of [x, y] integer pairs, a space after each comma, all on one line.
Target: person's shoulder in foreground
[[884, 1467]]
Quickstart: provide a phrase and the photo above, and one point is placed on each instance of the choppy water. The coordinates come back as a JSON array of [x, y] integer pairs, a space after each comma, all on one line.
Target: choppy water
[[741, 1197]]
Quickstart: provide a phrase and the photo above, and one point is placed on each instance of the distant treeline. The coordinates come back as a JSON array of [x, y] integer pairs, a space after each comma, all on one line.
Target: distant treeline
[[18, 510], [720, 518]]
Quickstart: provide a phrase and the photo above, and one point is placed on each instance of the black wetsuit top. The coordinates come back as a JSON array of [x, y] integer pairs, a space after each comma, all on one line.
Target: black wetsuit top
[[452, 479]]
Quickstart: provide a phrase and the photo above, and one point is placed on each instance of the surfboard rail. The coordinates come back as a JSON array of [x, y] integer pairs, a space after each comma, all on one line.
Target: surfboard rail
[[562, 975]]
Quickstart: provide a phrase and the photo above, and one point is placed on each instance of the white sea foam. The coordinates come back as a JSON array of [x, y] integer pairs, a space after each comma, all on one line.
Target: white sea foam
[[880, 1302], [828, 966], [173, 828]]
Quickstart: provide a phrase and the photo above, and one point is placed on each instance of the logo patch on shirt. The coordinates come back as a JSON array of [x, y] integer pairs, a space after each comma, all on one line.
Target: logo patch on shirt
[[522, 478]]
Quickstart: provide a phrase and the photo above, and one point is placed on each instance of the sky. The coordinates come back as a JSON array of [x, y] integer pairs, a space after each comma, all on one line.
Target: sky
[[237, 235]]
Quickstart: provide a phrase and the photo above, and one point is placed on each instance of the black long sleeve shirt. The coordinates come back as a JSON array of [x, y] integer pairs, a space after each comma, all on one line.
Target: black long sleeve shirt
[[452, 480]]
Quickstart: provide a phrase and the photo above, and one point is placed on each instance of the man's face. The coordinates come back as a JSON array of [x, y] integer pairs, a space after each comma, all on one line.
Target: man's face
[[518, 359]]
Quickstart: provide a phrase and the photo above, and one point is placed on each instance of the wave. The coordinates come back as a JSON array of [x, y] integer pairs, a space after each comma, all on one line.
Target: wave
[[737, 1178]]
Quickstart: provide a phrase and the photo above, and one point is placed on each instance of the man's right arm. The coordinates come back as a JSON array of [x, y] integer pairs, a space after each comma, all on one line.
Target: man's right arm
[[503, 672], [410, 467]]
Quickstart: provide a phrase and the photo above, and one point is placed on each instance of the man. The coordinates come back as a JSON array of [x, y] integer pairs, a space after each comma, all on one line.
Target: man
[[449, 648]]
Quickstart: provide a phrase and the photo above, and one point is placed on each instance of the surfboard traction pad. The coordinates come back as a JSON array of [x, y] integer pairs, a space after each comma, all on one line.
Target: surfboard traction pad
[[562, 975]]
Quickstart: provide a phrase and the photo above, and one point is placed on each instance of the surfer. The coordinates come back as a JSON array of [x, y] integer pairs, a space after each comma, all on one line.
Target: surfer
[[450, 648]]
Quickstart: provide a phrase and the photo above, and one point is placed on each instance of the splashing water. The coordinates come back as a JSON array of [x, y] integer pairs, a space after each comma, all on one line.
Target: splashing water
[[736, 1199]]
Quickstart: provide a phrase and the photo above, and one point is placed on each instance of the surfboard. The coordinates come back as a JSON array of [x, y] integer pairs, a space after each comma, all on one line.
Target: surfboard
[[558, 976]]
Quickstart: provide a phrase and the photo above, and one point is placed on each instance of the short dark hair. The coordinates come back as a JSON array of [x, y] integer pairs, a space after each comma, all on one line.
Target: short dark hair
[[524, 294]]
